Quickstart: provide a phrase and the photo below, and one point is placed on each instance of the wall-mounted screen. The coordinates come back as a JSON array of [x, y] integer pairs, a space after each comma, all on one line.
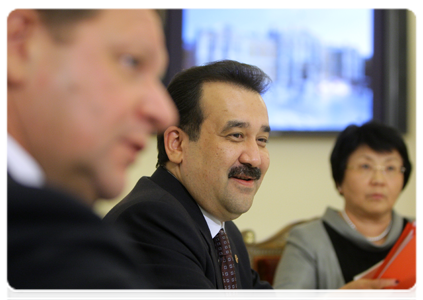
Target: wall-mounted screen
[[321, 61]]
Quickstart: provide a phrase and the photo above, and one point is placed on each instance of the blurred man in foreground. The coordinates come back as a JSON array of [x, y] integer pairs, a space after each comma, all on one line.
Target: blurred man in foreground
[[84, 95]]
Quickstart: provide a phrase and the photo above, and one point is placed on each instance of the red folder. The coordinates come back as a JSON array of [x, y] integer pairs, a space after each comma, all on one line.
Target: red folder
[[400, 263]]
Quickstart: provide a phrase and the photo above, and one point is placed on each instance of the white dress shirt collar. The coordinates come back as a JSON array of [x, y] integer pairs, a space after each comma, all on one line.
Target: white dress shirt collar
[[22, 166], [214, 224]]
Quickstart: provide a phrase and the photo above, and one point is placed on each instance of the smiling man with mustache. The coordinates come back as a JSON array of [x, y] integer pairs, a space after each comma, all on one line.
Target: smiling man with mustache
[[210, 167]]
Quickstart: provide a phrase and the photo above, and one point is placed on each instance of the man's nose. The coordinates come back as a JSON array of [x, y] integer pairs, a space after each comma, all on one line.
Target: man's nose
[[158, 108], [251, 154]]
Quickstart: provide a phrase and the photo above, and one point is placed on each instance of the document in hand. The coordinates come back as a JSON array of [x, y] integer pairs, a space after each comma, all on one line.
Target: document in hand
[[400, 263]]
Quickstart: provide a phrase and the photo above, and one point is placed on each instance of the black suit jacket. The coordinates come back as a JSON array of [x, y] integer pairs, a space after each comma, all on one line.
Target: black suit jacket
[[172, 236], [56, 242]]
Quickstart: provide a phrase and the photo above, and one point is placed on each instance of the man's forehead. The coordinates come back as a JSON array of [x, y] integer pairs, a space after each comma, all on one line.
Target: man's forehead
[[133, 21], [138, 31], [228, 103], [224, 93]]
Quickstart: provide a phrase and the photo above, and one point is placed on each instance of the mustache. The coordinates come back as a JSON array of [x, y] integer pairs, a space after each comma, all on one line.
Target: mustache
[[245, 171]]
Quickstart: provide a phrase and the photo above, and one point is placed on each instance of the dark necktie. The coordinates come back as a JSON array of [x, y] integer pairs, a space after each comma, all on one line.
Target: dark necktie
[[227, 265]]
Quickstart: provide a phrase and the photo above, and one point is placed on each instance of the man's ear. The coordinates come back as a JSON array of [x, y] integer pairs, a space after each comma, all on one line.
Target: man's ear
[[174, 137], [21, 24], [339, 188]]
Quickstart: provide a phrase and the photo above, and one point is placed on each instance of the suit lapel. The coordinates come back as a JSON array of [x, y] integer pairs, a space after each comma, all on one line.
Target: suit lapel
[[166, 180]]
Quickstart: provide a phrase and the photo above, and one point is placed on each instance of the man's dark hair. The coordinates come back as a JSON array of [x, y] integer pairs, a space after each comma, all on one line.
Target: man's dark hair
[[379, 137], [186, 89], [60, 21]]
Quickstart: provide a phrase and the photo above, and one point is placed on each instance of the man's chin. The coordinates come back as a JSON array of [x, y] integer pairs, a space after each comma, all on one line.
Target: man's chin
[[240, 210], [242, 202], [111, 188]]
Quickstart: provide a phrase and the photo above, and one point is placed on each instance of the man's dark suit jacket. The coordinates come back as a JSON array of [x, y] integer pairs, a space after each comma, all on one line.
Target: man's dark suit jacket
[[173, 237], [56, 242]]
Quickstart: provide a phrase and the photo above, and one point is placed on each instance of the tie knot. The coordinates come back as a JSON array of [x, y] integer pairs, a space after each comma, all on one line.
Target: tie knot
[[221, 243]]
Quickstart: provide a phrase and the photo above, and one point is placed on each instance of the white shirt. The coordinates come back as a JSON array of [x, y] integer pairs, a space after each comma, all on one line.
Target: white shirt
[[22, 166], [214, 224]]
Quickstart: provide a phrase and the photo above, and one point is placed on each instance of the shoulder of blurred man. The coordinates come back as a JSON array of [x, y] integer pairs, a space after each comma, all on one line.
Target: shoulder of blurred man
[[56, 242]]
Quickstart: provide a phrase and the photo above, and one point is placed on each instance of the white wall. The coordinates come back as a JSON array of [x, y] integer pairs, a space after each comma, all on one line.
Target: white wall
[[298, 184]]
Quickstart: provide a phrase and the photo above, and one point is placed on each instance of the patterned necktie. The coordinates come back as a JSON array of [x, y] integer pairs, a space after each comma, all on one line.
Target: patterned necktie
[[227, 265]]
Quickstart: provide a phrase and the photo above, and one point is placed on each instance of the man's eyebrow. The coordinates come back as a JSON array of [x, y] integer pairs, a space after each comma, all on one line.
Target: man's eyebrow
[[235, 124], [265, 128], [241, 124]]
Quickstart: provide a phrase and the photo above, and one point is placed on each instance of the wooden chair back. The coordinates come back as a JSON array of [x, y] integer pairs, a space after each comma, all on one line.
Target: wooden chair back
[[265, 256]]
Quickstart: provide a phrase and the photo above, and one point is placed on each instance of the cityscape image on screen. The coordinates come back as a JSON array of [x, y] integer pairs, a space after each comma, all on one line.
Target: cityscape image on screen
[[317, 60]]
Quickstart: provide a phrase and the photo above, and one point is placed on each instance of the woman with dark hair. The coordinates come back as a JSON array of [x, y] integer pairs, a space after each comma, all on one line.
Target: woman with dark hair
[[370, 167]]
